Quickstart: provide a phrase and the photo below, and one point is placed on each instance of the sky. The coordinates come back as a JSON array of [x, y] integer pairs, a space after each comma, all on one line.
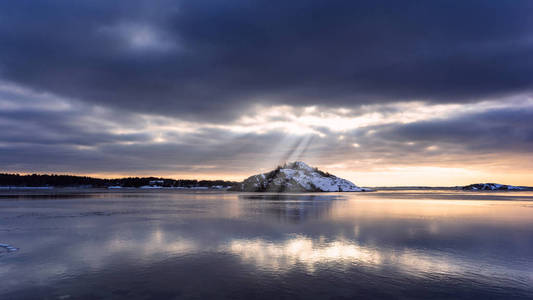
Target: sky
[[382, 93]]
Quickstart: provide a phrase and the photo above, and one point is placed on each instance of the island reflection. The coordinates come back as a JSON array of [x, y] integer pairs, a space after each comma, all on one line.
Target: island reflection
[[76, 247]]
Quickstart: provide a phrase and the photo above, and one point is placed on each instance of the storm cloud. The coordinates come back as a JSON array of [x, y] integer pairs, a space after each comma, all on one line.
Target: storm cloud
[[212, 88], [214, 59]]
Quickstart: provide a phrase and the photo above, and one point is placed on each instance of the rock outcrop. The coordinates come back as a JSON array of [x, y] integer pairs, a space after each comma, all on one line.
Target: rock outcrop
[[296, 177], [492, 187]]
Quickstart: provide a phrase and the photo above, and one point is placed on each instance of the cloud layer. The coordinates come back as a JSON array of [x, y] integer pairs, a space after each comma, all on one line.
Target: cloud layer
[[225, 88], [213, 59]]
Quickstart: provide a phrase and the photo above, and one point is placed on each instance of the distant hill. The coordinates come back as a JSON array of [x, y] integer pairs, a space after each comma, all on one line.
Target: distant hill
[[296, 177], [495, 187], [39, 180]]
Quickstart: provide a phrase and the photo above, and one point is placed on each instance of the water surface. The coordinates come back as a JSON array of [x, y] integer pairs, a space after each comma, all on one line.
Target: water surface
[[191, 245]]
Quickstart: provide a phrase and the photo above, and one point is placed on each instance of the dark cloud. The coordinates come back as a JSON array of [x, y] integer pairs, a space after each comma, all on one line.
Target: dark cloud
[[75, 74], [495, 131], [211, 59], [57, 128]]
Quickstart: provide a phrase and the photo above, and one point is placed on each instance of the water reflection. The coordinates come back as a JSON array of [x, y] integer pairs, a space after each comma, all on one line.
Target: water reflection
[[284, 255], [293, 208], [266, 246], [292, 197]]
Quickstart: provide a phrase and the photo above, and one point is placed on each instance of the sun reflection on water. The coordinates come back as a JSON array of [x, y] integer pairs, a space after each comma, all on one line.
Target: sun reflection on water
[[342, 254], [300, 250]]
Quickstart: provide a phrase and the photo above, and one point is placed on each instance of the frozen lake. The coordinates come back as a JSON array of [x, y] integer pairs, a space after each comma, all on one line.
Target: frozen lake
[[171, 244]]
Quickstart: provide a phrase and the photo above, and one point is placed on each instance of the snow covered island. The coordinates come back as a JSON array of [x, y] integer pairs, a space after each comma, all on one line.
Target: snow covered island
[[296, 177], [494, 187]]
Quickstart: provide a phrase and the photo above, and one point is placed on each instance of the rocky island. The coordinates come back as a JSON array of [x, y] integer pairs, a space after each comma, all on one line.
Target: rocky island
[[494, 187], [296, 177]]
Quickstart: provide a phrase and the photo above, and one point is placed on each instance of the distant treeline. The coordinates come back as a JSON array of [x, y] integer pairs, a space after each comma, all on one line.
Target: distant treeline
[[77, 181]]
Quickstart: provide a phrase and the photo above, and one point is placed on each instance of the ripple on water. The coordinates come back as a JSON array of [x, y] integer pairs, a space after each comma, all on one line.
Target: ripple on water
[[8, 248]]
